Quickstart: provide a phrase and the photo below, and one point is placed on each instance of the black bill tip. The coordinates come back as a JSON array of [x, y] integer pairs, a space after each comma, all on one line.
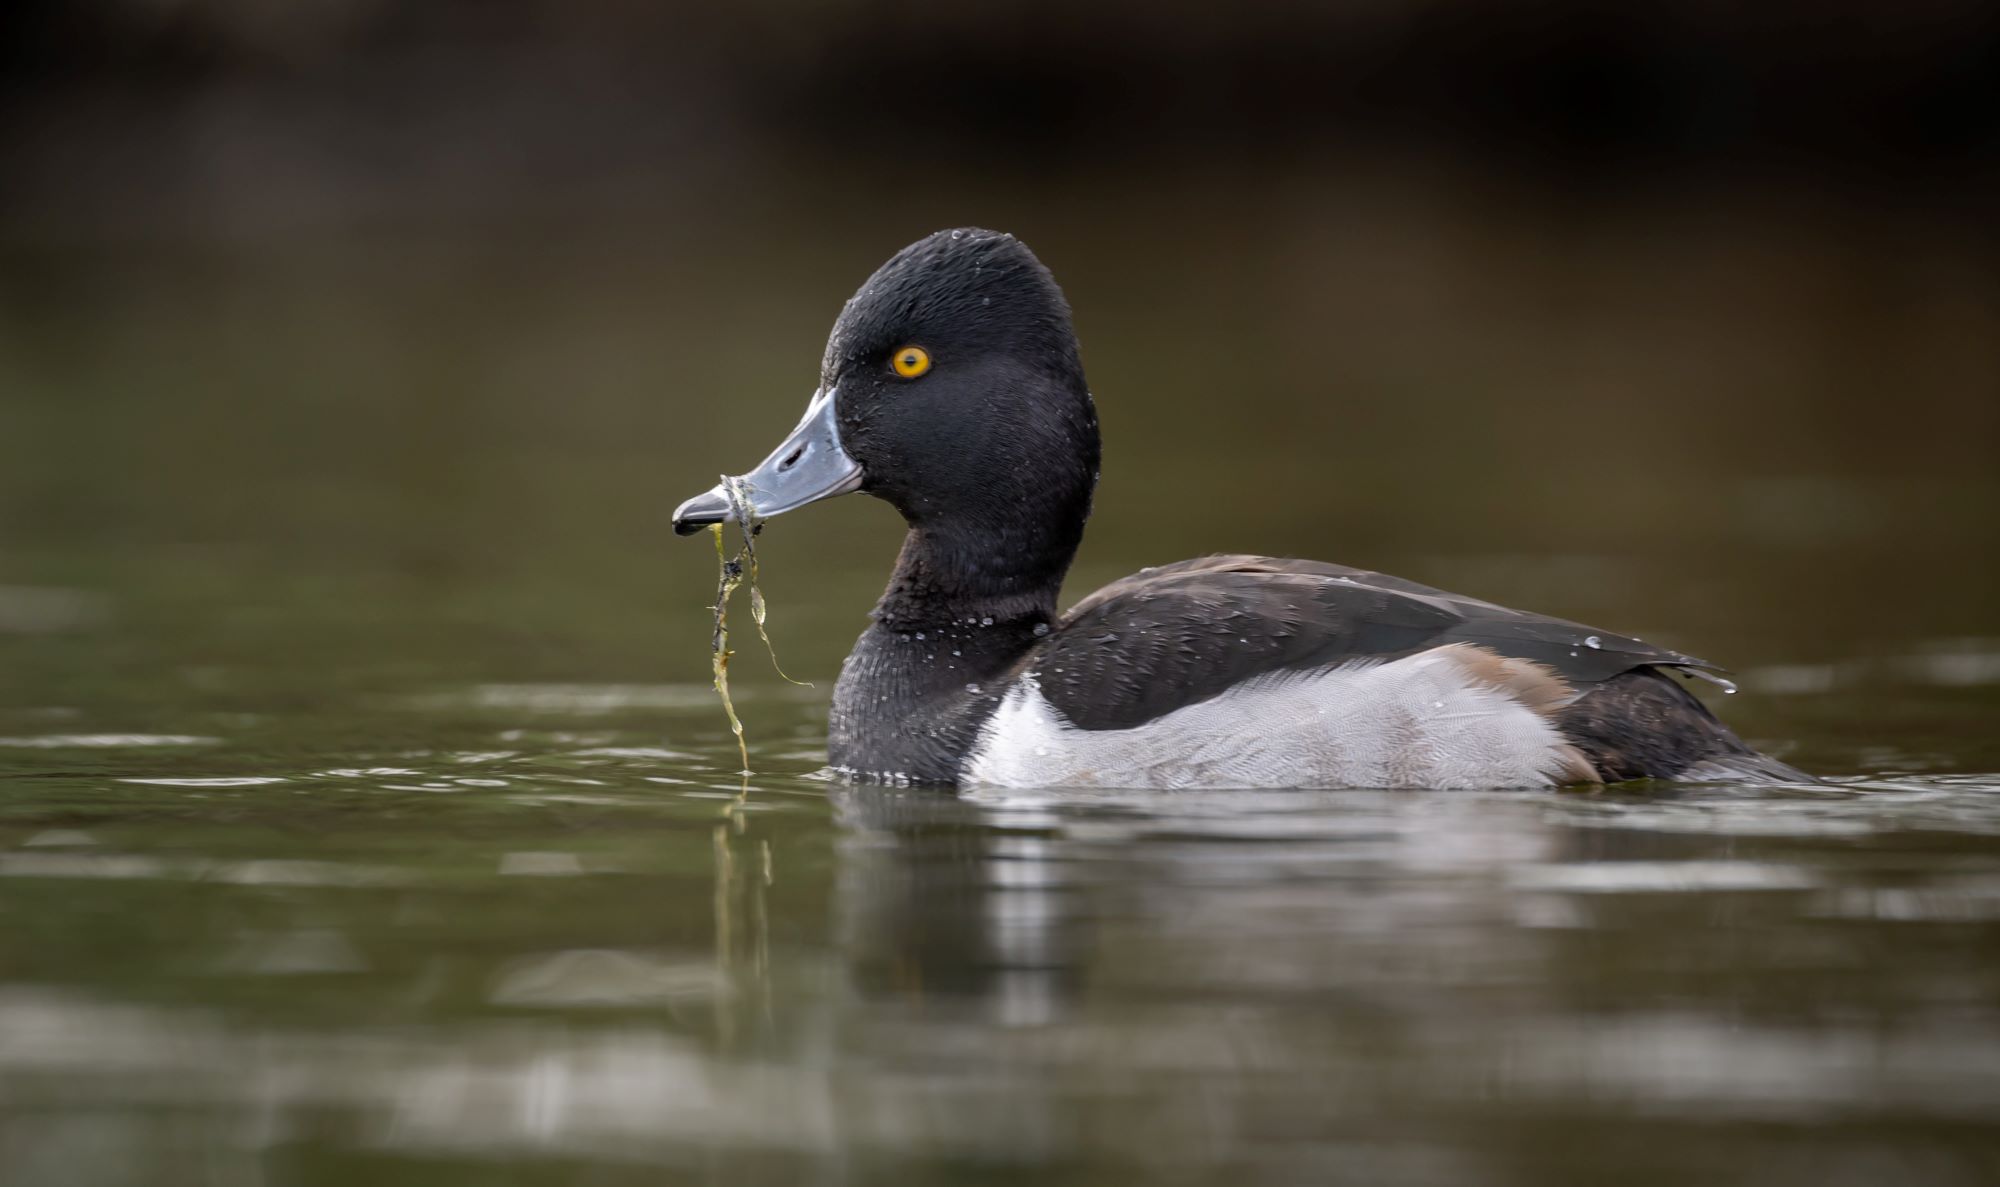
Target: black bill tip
[[709, 507]]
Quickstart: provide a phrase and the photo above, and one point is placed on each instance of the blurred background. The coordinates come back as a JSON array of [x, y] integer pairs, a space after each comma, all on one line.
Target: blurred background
[[399, 328], [365, 814]]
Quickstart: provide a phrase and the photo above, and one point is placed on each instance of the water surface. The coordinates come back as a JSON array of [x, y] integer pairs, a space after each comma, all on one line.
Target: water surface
[[365, 817]]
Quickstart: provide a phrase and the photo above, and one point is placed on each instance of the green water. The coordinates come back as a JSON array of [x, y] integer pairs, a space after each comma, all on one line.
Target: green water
[[365, 816]]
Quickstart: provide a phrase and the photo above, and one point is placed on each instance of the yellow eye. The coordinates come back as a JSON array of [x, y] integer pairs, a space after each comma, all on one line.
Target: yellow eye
[[911, 361]]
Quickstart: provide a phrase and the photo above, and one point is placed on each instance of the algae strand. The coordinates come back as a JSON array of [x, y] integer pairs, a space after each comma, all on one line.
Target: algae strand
[[734, 572], [718, 642], [739, 505]]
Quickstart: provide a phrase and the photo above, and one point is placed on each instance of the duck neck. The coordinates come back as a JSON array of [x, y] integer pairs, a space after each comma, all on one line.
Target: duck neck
[[960, 610], [949, 573], [982, 597]]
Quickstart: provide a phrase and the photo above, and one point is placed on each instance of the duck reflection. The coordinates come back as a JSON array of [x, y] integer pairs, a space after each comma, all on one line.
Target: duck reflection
[[943, 904], [1006, 908]]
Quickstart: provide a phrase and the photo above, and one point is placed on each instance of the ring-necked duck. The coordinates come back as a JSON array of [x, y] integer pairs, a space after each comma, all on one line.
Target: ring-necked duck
[[952, 389]]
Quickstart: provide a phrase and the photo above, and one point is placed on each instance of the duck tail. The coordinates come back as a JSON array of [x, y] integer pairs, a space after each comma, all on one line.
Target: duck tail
[[1642, 724]]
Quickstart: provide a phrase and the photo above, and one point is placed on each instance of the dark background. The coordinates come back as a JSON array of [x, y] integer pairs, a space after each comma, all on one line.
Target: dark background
[[157, 119]]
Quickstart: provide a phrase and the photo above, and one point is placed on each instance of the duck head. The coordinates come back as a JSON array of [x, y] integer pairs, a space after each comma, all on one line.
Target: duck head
[[951, 389]]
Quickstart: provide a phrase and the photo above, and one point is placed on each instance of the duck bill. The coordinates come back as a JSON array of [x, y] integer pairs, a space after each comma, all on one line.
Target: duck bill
[[808, 466]]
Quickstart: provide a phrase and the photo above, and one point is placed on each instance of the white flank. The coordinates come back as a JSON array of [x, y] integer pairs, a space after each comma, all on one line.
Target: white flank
[[1418, 722]]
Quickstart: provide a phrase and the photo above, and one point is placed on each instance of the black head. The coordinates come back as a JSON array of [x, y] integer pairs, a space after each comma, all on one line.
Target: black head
[[952, 389], [999, 419]]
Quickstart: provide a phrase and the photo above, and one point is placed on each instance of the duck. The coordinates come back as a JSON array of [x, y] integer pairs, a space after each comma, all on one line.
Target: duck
[[952, 388]]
